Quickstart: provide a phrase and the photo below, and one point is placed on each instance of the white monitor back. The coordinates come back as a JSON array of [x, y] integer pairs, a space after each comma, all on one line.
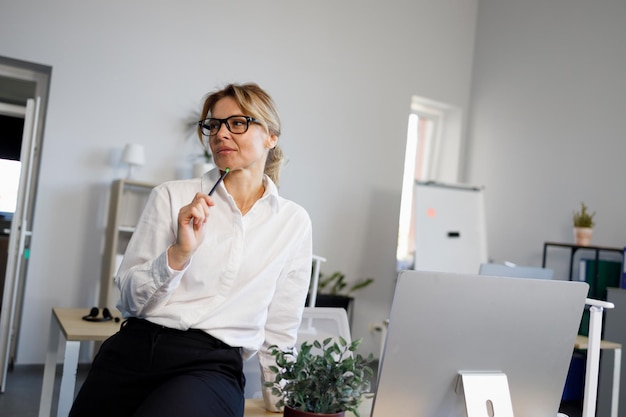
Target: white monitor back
[[450, 230], [443, 323]]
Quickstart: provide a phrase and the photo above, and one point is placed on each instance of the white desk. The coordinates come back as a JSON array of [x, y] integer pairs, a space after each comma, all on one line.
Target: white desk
[[68, 323]]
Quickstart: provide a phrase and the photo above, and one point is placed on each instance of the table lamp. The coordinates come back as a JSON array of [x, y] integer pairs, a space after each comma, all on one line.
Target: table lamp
[[133, 155]]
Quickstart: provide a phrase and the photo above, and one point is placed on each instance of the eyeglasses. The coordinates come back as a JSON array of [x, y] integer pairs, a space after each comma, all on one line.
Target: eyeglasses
[[235, 124]]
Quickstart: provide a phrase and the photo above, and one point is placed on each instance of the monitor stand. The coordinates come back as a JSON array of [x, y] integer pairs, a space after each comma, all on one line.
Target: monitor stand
[[486, 394]]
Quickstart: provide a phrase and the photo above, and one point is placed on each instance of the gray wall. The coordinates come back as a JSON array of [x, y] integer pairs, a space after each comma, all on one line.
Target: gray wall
[[547, 121], [342, 73], [546, 128]]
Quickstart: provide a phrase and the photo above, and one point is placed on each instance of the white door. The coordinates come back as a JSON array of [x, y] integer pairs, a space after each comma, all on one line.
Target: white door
[[20, 233]]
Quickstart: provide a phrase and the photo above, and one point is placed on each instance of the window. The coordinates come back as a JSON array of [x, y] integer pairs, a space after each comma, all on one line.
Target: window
[[432, 154], [12, 123]]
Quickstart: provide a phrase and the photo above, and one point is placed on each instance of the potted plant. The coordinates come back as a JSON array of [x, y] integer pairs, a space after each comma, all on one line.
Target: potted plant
[[334, 291], [583, 225], [327, 378]]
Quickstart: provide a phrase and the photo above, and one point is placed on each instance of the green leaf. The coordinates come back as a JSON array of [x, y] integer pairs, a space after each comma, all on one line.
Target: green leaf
[[325, 380]]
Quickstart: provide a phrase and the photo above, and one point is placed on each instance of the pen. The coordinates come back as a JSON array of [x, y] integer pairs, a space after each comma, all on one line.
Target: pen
[[226, 171]]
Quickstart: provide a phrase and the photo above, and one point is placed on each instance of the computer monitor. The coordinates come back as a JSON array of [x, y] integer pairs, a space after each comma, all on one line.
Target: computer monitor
[[506, 270], [444, 323]]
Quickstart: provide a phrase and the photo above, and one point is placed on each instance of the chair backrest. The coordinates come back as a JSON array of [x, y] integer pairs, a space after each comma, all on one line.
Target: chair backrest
[[319, 323]]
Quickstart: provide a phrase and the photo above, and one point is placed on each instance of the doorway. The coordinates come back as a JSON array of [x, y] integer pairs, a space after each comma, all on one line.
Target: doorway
[[24, 89]]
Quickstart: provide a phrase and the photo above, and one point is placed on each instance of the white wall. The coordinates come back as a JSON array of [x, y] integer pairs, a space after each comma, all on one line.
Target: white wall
[[342, 73], [547, 122]]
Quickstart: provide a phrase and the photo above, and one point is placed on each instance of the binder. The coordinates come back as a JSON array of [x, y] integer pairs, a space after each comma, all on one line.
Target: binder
[[609, 274]]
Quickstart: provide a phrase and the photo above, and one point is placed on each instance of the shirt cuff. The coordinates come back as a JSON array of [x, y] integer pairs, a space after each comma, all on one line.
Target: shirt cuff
[[163, 273]]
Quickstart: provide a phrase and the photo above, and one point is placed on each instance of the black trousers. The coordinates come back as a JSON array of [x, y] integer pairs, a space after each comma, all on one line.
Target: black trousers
[[150, 370]]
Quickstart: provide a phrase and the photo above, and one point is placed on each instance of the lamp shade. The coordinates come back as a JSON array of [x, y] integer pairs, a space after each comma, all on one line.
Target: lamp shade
[[134, 154]]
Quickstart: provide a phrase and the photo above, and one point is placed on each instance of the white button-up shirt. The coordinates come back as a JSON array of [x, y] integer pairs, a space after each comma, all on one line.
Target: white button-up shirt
[[247, 282]]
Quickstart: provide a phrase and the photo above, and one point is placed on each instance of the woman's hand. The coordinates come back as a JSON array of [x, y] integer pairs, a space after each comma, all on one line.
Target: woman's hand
[[191, 220]]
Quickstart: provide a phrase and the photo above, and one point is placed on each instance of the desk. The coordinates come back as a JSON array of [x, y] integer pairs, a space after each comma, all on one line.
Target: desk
[[256, 408], [68, 323], [582, 343]]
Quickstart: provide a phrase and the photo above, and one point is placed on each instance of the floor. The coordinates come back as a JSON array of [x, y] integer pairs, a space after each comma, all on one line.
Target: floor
[[23, 390], [21, 398]]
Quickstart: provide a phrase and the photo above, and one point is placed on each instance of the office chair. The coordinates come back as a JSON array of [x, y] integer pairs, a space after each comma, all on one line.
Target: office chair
[[590, 395]]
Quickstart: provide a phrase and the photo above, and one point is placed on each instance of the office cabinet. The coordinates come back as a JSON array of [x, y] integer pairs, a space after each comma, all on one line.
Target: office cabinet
[[126, 203]]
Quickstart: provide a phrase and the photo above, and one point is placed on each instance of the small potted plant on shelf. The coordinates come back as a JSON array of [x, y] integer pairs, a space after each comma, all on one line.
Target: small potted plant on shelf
[[327, 378], [583, 225]]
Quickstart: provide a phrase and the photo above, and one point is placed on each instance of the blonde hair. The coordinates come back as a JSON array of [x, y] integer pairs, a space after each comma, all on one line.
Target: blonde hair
[[255, 102]]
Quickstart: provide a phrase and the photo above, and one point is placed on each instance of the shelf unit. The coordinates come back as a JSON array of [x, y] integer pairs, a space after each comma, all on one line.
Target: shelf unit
[[597, 250], [126, 203]]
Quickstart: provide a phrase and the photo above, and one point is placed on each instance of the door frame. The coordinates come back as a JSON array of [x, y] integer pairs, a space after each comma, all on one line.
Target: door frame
[[10, 315]]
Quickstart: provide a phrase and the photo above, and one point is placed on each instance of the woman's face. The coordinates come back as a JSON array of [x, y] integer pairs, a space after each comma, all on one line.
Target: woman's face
[[239, 151]]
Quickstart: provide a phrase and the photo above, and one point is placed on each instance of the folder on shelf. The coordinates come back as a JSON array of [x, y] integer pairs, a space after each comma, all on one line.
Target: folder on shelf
[[600, 276]]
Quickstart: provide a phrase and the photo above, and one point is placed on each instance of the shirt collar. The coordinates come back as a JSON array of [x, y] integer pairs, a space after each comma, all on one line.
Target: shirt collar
[[271, 191]]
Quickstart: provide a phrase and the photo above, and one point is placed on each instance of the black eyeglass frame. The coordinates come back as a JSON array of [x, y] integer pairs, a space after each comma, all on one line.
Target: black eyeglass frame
[[203, 126]]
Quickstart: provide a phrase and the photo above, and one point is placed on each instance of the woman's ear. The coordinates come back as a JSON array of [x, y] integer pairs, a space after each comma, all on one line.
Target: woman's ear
[[271, 141]]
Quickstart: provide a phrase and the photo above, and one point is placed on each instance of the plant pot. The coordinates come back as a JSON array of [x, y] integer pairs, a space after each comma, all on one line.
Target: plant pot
[[583, 235], [290, 412]]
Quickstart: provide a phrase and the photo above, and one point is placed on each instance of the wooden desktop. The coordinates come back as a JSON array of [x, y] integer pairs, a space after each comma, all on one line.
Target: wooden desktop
[[68, 323]]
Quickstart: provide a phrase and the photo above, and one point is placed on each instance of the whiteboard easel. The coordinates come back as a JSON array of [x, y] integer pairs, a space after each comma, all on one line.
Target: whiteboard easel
[[450, 228]]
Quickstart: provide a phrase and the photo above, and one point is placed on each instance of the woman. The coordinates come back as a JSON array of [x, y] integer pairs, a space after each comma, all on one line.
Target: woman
[[207, 280]]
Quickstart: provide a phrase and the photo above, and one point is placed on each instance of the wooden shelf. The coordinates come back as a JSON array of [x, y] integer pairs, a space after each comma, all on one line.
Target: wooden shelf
[[126, 204]]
